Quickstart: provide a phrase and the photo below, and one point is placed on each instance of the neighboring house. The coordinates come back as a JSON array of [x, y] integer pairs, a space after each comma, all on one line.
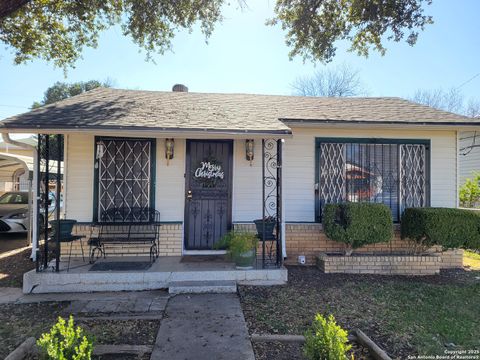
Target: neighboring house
[[189, 155], [469, 154], [16, 165]]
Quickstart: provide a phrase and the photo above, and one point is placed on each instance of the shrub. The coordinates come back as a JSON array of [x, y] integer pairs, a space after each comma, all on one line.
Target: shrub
[[237, 242], [358, 224], [450, 228], [470, 192], [65, 342], [325, 340]]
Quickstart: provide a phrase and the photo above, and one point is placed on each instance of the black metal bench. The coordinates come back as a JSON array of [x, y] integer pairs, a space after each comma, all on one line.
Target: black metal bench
[[126, 226]]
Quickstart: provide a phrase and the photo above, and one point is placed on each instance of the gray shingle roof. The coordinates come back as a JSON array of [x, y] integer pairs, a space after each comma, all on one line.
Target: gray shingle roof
[[106, 108]]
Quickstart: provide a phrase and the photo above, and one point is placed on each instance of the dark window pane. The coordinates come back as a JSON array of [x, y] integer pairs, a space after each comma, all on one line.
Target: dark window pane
[[389, 173]]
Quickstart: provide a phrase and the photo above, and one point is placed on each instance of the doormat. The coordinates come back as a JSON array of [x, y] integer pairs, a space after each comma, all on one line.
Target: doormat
[[121, 266], [204, 258]]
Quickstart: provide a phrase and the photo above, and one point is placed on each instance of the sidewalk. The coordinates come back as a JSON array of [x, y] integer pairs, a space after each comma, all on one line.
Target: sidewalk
[[206, 326]]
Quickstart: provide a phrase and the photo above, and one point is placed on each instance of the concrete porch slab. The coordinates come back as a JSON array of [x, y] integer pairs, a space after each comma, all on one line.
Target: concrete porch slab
[[160, 275]]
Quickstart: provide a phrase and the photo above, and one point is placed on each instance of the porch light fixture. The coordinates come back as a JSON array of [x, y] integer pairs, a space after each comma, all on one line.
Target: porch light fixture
[[100, 149], [169, 149], [249, 150]]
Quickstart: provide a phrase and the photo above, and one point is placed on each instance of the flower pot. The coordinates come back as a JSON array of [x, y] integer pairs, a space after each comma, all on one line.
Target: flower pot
[[269, 227], [66, 227], [244, 261]]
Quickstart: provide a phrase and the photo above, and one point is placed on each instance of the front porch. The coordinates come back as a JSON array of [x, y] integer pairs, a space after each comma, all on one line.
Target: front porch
[[193, 192], [164, 272]]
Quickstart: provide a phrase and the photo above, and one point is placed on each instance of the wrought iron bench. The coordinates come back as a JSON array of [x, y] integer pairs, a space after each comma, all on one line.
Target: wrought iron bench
[[126, 226]]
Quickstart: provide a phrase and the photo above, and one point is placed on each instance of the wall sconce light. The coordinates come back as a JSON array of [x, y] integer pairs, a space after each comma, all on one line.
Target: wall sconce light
[[169, 149], [249, 150], [100, 149]]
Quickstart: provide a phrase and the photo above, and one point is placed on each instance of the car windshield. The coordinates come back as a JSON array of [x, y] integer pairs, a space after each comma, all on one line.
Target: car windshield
[[14, 198]]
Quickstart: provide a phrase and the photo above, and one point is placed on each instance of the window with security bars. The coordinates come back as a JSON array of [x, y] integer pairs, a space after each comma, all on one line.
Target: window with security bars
[[392, 172], [124, 176]]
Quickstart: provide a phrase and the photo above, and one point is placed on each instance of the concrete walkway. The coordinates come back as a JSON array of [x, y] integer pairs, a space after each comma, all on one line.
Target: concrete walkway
[[204, 326], [10, 295]]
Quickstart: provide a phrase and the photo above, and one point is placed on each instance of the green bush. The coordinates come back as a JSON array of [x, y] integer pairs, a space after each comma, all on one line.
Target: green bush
[[358, 224], [470, 192], [450, 228], [237, 242], [325, 340], [65, 342]]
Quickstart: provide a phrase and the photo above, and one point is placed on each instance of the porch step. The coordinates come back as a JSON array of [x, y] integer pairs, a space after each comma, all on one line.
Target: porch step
[[202, 286]]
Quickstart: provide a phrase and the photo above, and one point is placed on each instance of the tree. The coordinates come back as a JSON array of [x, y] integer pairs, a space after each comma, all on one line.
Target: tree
[[60, 91], [338, 81], [473, 108], [454, 101], [451, 100], [313, 26], [58, 30]]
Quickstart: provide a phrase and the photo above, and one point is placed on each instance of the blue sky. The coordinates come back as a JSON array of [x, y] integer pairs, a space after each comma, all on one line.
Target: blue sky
[[244, 55]]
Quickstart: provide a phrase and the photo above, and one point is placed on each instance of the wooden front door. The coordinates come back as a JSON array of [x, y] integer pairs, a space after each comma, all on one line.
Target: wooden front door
[[208, 197]]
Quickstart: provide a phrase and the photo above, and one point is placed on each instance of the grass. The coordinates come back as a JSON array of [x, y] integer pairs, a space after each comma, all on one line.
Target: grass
[[471, 260], [405, 315]]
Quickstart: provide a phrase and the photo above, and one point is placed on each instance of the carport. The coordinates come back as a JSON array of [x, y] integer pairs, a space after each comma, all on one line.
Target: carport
[[16, 175]]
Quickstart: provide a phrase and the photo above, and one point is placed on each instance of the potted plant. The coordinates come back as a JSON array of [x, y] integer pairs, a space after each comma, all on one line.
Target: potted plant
[[241, 247], [270, 223], [66, 227]]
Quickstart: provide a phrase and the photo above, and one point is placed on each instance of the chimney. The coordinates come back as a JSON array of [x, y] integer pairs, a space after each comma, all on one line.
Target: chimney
[[179, 88]]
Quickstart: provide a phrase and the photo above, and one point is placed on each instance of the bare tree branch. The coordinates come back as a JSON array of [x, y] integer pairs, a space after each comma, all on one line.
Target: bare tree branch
[[332, 82], [451, 100]]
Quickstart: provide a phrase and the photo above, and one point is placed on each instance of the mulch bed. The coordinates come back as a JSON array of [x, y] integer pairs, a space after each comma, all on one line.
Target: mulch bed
[[129, 332], [121, 357], [357, 301], [13, 267], [20, 321], [293, 351]]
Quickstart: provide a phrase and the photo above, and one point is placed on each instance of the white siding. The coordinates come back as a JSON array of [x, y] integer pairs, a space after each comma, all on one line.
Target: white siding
[[299, 166], [79, 177], [247, 183], [170, 187], [298, 174], [470, 162]]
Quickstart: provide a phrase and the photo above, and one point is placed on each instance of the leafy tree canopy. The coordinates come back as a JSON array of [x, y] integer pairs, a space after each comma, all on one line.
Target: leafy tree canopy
[[58, 30], [60, 91]]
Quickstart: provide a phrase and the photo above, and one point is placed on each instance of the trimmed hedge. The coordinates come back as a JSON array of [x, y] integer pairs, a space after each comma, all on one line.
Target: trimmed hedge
[[450, 228], [358, 224]]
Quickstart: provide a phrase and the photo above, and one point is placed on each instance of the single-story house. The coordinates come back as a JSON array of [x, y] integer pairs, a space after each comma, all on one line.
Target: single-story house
[[214, 162], [469, 154]]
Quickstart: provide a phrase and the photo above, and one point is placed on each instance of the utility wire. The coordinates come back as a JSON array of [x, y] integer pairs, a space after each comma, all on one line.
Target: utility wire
[[466, 82]]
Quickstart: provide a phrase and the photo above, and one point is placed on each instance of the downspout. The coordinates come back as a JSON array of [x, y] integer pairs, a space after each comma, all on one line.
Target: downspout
[[33, 230]]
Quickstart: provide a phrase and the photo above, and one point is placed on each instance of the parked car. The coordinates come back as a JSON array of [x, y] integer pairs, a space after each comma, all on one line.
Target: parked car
[[14, 211]]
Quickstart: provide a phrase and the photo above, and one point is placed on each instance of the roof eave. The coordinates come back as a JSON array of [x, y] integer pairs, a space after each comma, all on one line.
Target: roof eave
[[150, 131], [374, 123]]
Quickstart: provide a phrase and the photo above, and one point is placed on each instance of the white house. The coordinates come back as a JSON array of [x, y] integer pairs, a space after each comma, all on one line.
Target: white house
[[212, 162], [469, 154]]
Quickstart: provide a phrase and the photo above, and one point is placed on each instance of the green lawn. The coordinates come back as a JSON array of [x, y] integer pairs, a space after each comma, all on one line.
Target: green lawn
[[471, 260], [404, 315]]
